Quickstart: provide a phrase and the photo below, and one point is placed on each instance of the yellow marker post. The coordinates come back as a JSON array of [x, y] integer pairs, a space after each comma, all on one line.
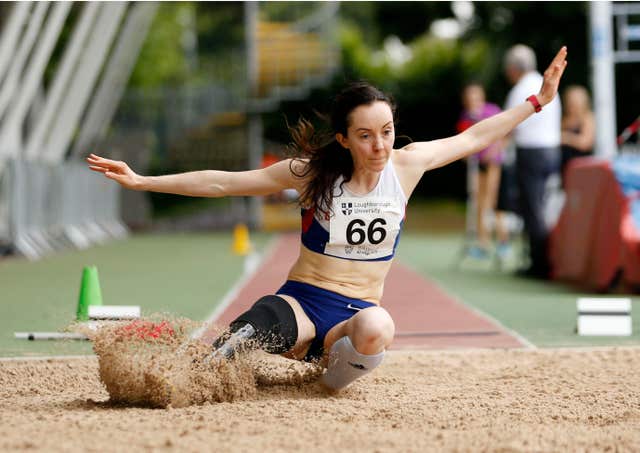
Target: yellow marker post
[[241, 242]]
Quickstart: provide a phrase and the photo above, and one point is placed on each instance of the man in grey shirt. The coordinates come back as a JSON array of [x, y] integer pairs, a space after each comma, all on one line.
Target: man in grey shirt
[[537, 141]]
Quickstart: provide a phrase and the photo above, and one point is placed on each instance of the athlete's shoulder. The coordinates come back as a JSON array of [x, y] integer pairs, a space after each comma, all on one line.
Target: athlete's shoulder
[[407, 155], [296, 169]]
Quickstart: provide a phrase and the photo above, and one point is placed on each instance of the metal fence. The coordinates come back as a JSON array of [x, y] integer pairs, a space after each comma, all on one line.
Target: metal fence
[[54, 207], [49, 207]]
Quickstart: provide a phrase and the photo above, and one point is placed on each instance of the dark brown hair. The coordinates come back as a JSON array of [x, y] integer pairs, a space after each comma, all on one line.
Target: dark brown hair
[[326, 160]]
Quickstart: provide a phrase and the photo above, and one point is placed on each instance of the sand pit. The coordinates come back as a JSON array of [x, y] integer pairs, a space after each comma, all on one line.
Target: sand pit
[[546, 400], [154, 363]]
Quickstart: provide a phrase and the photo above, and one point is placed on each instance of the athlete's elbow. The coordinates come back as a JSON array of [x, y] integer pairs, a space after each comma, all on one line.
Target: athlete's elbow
[[220, 190], [468, 144], [218, 184]]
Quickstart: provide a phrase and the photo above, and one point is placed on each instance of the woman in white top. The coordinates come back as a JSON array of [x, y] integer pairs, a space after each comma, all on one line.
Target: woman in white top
[[353, 188]]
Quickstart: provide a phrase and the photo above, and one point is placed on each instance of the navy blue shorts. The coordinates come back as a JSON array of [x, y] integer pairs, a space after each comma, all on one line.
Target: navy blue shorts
[[324, 308]]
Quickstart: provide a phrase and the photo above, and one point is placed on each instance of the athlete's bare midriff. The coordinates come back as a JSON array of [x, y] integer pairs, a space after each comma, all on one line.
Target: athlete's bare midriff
[[357, 279]]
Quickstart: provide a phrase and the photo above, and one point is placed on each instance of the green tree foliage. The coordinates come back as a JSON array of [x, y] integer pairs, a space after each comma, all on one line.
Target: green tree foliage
[[162, 60], [544, 26], [220, 25], [165, 58], [427, 87], [427, 83], [406, 20], [286, 11]]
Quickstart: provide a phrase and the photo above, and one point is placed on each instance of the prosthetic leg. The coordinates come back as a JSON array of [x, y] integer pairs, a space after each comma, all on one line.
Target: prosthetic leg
[[270, 324]]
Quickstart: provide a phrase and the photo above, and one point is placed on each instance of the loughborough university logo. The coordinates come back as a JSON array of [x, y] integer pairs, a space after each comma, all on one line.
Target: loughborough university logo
[[347, 208]]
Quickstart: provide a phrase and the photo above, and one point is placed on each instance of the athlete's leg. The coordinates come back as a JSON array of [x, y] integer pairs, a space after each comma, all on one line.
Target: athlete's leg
[[356, 346], [276, 324], [493, 184], [306, 330], [482, 206]]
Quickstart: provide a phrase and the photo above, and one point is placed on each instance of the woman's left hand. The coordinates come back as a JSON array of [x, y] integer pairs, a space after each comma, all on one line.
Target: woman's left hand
[[552, 77]]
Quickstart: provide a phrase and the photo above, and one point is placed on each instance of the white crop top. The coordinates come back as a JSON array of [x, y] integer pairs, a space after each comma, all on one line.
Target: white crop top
[[358, 227]]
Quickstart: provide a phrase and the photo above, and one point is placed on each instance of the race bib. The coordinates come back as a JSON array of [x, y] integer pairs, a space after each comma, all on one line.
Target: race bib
[[364, 228]]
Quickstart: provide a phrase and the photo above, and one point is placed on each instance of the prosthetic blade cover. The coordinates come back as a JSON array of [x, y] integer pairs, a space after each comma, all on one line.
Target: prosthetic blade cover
[[235, 341], [346, 364]]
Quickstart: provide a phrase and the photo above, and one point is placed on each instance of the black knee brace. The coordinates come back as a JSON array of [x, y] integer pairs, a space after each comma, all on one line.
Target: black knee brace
[[274, 322]]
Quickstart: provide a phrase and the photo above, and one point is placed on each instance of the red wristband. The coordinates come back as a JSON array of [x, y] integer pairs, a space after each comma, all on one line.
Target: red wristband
[[534, 101]]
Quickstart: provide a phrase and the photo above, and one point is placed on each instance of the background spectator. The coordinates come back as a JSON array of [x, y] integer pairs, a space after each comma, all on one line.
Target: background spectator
[[537, 143], [578, 128], [487, 180]]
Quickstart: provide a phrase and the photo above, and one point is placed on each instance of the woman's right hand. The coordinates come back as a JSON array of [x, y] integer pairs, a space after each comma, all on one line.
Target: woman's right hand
[[117, 170]]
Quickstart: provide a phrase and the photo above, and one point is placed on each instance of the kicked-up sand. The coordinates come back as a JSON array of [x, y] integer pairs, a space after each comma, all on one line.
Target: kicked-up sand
[[151, 363], [157, 396]]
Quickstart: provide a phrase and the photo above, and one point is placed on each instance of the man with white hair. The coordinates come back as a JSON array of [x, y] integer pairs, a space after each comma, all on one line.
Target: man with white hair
[[537, 141]]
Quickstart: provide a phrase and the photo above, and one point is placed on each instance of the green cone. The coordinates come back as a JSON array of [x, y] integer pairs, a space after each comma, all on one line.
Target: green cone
[[90, 293]]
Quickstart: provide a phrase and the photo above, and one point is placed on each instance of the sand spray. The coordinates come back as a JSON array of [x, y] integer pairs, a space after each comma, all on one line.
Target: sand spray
[[152, 362]]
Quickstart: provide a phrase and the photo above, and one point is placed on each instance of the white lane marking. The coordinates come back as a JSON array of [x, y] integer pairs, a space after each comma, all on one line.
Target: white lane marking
[[526, 343], [47, 357]]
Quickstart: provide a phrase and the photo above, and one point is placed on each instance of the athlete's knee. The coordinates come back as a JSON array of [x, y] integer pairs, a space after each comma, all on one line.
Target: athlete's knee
[[346, 364], [274, 322], [372, 330]]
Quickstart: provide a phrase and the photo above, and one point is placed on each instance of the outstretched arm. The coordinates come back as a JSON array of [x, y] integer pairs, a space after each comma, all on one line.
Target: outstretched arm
[[205, 183], [425, 156]]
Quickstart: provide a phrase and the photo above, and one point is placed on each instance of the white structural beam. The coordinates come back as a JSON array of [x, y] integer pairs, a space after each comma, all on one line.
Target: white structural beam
[[11, 34], [80, 89], [626, 8], [626, 32], [602, 69], [116, 75], [12, 81], [12, 126], [61, 80]]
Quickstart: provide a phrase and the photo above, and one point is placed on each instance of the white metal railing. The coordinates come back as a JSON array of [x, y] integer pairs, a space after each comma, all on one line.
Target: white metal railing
[[56, 206], [48, 200], [59, 86]]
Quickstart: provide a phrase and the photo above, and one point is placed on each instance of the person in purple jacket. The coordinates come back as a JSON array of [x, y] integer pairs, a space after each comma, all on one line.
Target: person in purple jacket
[[487, 182]]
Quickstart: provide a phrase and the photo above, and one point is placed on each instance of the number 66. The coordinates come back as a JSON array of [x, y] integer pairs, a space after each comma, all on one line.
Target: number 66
[[353, 230]]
